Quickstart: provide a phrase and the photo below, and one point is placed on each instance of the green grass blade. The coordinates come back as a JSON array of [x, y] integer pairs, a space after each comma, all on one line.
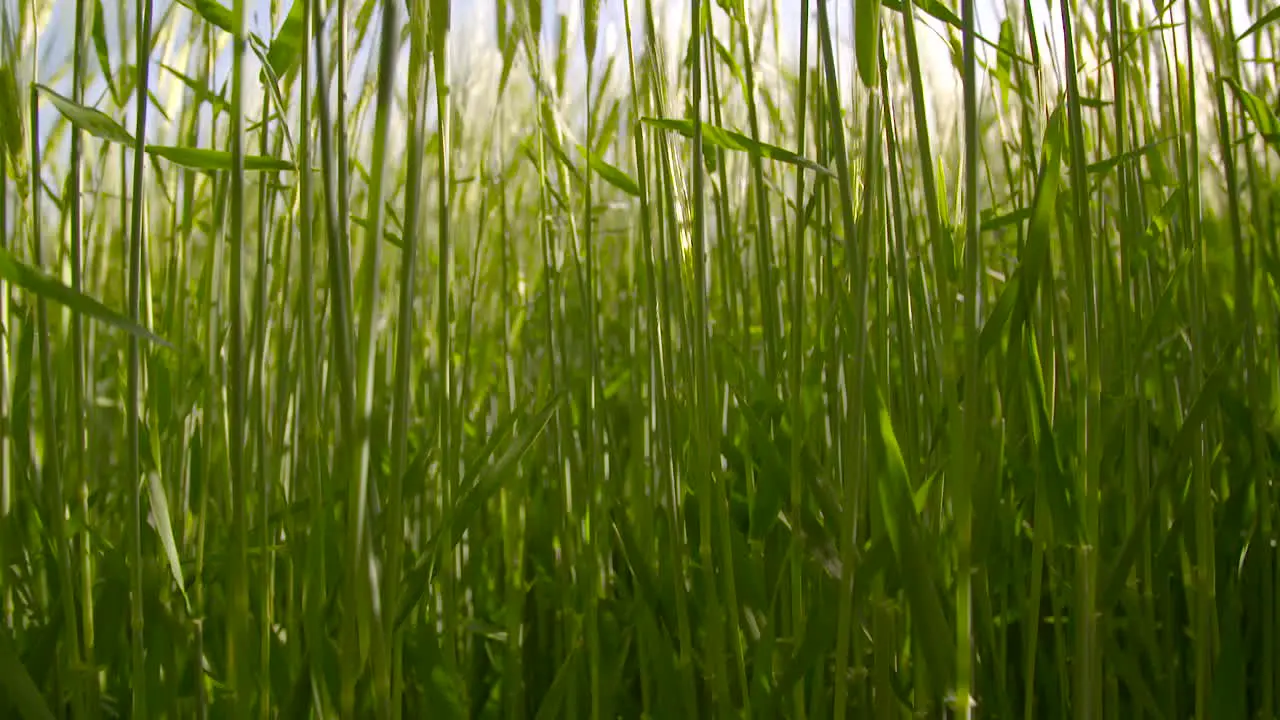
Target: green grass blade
[[610, 173], [733, 140], [23, 691], [50, 288], [94, 122], [216, 160], [866, 41]]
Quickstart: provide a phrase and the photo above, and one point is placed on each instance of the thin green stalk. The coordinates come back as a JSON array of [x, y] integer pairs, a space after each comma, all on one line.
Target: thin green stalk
[[133, 426], [402, 398], [659, 409], [449, 463], [257, 422], [239, 670], [80, 469], [360, 554], [53, 480], [594, 481], [799, 427], [1088, 658], [704, 406], [962, 483]]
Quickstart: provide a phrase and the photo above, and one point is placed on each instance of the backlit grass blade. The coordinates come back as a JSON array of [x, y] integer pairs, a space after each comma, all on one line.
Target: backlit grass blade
[[164, 529], [50, 288], [733, 140], [286, 46], [92, 121], [866, 29], [216, 160], [1259, 112], [201, 92], [1015, 302], [103, 52], [1267, 18], [610, 173], [213, 13]]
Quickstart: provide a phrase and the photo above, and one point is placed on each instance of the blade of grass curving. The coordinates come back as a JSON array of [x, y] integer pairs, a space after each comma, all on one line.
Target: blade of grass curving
[[103, 52], [733, 140], [610, 173], [49, 288], [866, 40], [142, 20], [1267, 18], [482, 482], [216, 160], [92, 121], [80, 466], [23, 691], [286, 47], [363, 616]]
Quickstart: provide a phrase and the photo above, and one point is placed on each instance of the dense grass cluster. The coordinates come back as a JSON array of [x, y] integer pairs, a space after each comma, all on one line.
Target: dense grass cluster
[[692, 372]]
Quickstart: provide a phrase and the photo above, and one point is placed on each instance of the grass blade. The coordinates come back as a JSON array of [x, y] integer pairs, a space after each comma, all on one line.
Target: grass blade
[[92, 121]]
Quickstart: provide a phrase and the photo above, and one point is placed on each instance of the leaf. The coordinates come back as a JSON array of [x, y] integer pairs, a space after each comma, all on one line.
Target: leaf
[[1269, 17], [1019, 292], [552, 705], [1053, 480], [202, 92], [932, 8], [938, 11], [212, 12], [94, 122], [611, 174], [439, 17], [11, 133], [482, 481], [214, 160], [1206, 402], [726, 57], [731, 140], [820, 628], [102, 51], [14, 271], [22, 690], [1259, 111], [1004, 62], [590, 26], [901, 523], [996, 222], [1106, 166], [387, 235], [286, 46], [272, 83], [866, 28], [164, 528]]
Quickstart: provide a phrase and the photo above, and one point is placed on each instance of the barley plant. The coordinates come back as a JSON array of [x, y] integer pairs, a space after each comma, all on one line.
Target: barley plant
[[639, 359]]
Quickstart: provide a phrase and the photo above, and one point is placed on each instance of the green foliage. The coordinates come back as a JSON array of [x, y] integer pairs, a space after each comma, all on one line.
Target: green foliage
[[944, 383]]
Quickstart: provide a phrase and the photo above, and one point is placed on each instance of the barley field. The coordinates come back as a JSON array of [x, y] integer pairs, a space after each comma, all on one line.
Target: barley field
[[652, 359]]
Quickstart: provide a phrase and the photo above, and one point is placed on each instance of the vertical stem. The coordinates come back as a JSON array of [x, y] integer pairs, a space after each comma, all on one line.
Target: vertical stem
[[402, 397], [967, 461], [53, 481], [80, 468], [238, 652], [1087, 659], [133, 427]]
